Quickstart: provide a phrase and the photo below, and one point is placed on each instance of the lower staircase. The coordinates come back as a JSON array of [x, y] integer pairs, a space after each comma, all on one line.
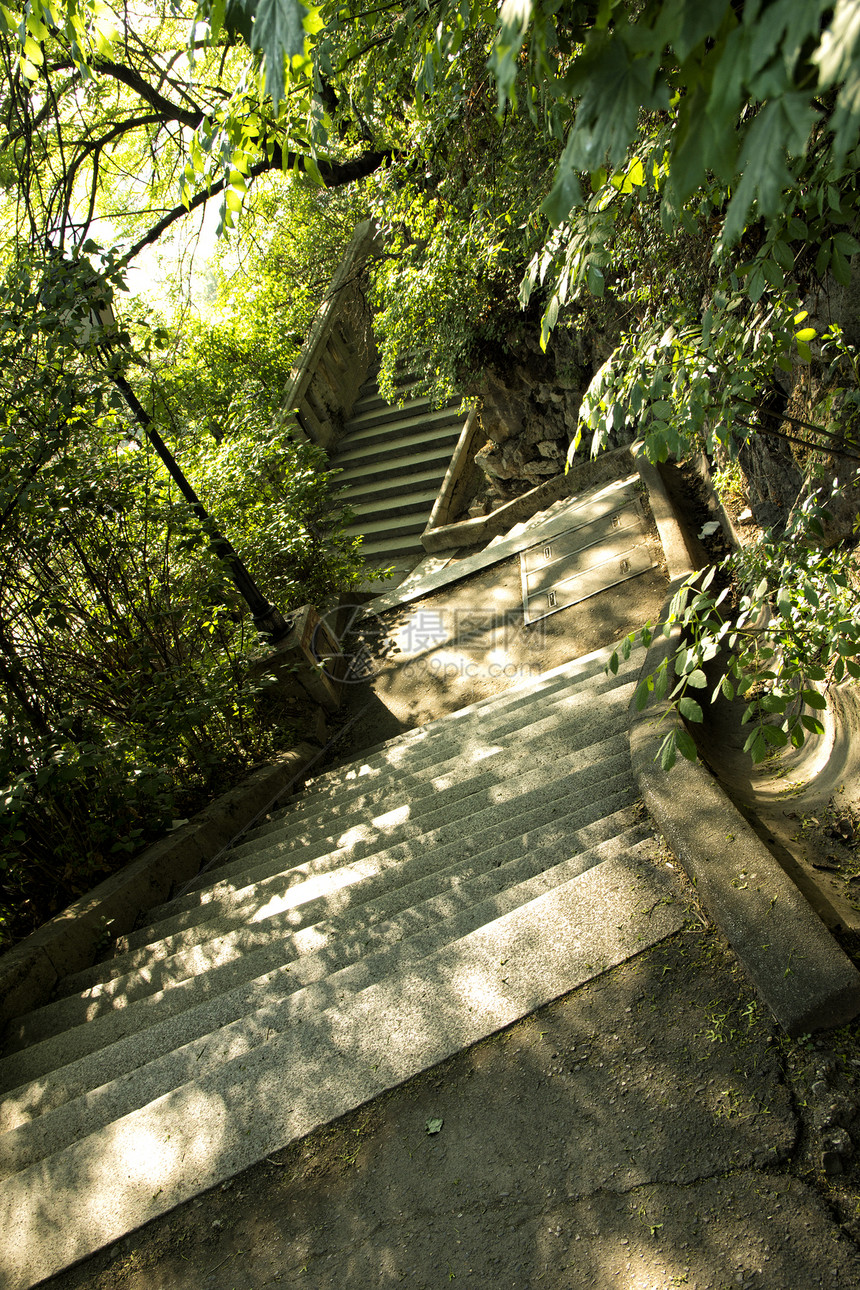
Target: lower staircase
[[402, 907], [392, 460]]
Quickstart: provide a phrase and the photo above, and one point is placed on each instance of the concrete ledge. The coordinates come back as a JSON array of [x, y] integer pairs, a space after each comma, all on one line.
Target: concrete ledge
[[678, 557], [783, 947], [459, 475], [581, 476], [69, 942]]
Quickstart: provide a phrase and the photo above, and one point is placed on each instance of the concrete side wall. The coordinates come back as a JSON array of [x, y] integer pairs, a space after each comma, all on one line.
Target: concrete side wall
[[70, 942]]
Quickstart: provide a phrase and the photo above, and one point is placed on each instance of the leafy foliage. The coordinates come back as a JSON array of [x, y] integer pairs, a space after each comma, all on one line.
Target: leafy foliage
[[124, 649]]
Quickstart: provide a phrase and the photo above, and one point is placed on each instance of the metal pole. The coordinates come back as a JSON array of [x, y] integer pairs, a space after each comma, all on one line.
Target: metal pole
[[267, 619]]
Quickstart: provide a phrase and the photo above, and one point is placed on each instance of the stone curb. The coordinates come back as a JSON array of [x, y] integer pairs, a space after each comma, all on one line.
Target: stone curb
[[783, 947], [69, 942], [583, 475]]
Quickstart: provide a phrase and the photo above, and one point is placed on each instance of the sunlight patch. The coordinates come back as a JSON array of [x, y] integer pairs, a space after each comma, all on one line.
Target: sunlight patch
[[391, 819]]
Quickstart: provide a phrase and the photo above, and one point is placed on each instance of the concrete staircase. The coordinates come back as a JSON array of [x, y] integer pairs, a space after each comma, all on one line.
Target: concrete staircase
[[401, 908], [393, 460]]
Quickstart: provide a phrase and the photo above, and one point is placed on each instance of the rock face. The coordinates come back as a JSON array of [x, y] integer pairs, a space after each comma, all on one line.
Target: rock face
[[774, 480], [529, 408]]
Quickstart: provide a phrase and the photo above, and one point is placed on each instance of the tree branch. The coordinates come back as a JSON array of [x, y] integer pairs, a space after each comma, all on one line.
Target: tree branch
[[334, 175]]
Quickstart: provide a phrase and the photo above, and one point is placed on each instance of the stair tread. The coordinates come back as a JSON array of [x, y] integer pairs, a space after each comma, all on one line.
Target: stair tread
[[335, 877], [209, 1129], [344, 965]]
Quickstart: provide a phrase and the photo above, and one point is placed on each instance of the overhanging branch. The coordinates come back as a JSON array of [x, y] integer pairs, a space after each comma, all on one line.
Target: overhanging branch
[[334, 175]]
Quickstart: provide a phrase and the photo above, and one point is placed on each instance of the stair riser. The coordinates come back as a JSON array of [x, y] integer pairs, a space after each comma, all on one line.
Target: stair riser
[[209, 1130], [250, 1016], [331, 875], [419, 765], [65, 1037], [281, 861]]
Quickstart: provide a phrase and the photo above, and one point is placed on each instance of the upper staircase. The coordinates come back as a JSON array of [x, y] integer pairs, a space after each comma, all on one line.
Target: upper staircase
[[402, 907], [393, 458]]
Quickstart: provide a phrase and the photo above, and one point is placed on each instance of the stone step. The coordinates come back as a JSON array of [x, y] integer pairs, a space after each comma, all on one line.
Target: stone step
[[375, 411], [418, 501], [171, 983], [315, 845], [443, 778], [227, 1019], [489, 719], [371, 400], [110, 1181], [328, 882], [558, 735], [393, 526], [427, 481], [383, 553], [442, 771], [398, 445], [373, 430], [402, 464]]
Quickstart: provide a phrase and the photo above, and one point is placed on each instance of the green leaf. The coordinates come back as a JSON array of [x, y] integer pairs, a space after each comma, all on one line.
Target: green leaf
[[781, 127], [434, 1126], [690, 709], [697, 679], [841, 267], [668, 754], [813, 699], [595, 279], [812, 724], [616, 83], [565, 192], [686, 745], [700, 21], [279, 34], [839, 45]]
